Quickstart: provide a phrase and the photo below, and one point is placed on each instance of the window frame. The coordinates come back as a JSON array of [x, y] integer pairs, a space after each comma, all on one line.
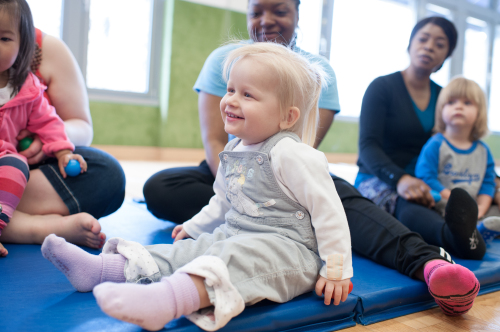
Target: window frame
[[74, 31]]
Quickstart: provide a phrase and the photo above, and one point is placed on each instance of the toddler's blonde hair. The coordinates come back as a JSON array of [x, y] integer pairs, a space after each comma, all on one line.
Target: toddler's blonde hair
[[460, 87], [299, 80]]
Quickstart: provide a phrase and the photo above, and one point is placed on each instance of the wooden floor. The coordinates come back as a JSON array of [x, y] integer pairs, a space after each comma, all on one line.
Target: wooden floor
[[484, 316]]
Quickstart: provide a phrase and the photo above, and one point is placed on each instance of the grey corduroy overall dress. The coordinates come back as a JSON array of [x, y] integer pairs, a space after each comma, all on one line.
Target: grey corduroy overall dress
[[267, 242]]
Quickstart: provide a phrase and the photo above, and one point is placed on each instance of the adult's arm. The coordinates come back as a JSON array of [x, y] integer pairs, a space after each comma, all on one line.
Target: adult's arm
[[372, 124], [67, 90], [212, 128]]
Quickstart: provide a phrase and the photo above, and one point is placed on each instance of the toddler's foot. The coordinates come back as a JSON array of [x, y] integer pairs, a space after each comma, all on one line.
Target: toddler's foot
[[149, 306], [81, 229], [453, 286], [461, 219], [83, 270], [3, 251], [489, 228]]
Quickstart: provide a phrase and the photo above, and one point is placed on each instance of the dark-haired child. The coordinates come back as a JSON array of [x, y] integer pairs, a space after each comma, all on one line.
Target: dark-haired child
[[23, 106]]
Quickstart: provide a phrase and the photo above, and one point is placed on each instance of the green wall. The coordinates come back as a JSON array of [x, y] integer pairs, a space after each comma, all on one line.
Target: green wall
[[118, 124], [195, 32], [341, 138]]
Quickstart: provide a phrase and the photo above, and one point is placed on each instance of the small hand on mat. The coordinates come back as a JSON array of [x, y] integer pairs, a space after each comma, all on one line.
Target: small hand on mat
[[338, 289]]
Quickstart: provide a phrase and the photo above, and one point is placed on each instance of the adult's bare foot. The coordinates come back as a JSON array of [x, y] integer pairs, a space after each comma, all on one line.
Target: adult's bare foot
[[3, 251], [80, 229]]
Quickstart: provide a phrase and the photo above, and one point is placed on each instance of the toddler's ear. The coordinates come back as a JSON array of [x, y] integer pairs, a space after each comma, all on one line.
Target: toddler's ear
[[292, 116]]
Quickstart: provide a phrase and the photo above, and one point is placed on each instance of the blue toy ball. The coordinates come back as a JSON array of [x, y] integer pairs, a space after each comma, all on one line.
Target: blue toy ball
[[73, 168], [436, 195]]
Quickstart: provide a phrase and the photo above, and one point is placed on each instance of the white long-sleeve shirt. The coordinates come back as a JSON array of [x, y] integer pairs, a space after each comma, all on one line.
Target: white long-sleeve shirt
[[302, 173]]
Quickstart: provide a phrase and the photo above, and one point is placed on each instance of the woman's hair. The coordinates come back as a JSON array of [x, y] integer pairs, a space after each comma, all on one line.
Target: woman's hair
[[448, 28], [300, 82], [21, 13], [460, 87]]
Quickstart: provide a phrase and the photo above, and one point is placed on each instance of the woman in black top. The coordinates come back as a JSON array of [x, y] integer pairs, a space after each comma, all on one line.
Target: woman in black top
[[397, 117]]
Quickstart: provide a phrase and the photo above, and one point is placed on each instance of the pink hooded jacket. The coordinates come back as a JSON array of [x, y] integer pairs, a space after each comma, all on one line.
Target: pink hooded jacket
[[29, 109]]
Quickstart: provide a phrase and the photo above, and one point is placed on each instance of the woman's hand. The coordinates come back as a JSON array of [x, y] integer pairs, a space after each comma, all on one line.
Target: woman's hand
[[179, 233], [63, 158], [34, 153], [416, 190], [338, 289]]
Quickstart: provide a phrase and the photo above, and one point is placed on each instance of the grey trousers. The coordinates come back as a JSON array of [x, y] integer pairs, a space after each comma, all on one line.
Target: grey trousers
[[261, 266]]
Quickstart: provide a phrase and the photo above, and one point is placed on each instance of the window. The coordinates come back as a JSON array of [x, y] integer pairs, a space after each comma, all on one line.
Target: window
[[365, 46], [119, 52], [119, 60], [47, 15], [482, 3], [494, 107], [369, 38], [476, 51], [310, 26]]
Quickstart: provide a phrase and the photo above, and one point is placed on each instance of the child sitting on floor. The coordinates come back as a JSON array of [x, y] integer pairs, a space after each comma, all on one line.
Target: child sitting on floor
[[275, 228], [23, 106], [456, 158]]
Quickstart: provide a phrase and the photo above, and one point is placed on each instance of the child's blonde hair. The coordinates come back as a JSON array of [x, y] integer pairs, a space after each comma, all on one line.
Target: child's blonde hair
[[460, 87], [299, 85]]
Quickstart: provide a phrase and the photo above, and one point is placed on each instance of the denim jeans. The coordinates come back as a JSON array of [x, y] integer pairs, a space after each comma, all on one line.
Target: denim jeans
[[100, 191]]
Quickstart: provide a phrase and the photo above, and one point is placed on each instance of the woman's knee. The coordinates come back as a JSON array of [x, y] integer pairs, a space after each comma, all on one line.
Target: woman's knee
[[106, 182]]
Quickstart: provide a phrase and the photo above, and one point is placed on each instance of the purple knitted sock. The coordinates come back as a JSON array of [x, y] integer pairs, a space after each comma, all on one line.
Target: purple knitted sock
[[149, 306], [82, 269]]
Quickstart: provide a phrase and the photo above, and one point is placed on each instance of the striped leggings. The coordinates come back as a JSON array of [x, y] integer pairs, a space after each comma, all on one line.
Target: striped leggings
[[14, 174]]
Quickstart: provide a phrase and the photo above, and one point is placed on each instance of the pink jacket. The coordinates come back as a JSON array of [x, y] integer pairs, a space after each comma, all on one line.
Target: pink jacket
[[29, 109]]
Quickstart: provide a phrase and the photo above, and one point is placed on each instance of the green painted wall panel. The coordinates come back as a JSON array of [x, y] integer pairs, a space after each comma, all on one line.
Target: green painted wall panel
[[197, 31], [341, 138], [118, 124], [493, 142]]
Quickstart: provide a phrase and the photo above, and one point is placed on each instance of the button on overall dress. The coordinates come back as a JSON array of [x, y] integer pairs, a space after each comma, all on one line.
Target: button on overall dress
[[267, 243]]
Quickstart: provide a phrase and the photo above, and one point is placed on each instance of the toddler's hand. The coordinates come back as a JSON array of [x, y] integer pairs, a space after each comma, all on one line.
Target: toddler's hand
[[445, 194], [63, 158], [179, 233], [338, 289], [34, 153]]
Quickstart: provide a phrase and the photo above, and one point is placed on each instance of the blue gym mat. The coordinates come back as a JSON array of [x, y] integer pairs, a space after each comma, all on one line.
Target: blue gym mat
[[35, 296]]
